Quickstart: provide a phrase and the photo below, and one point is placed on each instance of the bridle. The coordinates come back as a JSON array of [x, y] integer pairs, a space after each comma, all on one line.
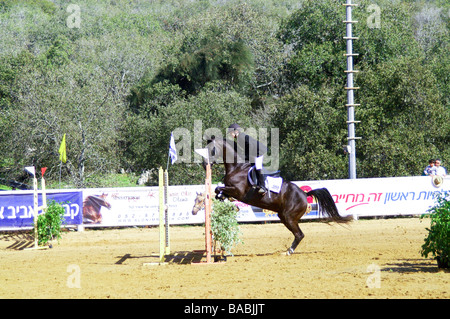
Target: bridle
[[213, 153]]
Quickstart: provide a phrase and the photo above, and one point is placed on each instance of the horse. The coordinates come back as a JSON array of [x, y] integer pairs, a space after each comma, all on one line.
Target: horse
[[290, 203], [91, 208], [199, 203]]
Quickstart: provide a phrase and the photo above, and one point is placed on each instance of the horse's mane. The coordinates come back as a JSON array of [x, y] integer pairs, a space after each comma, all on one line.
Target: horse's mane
[[96, 201], [229, 146]]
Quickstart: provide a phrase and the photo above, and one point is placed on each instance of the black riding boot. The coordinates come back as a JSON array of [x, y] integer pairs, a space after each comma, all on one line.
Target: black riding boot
[[261, 182]]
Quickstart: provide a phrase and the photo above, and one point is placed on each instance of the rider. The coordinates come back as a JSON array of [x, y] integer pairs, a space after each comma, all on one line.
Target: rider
[[253, 150]]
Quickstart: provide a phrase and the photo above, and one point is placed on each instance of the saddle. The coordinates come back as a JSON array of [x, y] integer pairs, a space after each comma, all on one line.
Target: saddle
[[253, 179]]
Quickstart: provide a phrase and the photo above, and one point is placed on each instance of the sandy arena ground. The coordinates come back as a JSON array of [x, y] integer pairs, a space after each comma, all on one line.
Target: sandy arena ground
[[367, 259]]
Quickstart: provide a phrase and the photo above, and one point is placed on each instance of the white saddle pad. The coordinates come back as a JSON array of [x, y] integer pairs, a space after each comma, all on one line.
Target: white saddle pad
[[273, 184]]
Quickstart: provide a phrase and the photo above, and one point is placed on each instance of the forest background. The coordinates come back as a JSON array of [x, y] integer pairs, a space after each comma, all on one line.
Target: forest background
[[117, 77]]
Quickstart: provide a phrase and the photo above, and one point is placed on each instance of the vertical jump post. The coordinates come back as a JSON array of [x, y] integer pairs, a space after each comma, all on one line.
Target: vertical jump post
[[164, 246], [208, 208]]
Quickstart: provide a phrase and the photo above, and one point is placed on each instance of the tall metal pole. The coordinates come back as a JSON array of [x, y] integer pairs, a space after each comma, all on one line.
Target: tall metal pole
[[350, 91]]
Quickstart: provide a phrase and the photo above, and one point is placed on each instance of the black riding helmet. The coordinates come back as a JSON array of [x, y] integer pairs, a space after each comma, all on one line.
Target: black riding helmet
[[234, 127]]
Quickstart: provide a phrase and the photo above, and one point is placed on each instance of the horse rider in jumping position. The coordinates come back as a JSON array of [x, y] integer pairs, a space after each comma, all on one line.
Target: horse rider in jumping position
[[253, 151]]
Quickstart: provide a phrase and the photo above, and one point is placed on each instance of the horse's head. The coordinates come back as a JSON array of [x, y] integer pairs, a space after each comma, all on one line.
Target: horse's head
[[221, 150], [98, 201], [214, 151], [91, 208], [199, 203], [104, 202]]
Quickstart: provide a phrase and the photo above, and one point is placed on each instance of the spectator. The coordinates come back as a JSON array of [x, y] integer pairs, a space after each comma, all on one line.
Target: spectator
[[430, 169], [440, 170]]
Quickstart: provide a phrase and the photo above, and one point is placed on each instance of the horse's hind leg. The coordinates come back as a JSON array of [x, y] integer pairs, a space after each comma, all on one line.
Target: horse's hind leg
[[292, 225], [298, 236]]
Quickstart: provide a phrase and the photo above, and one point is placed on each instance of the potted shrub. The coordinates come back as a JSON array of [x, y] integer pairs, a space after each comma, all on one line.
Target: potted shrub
[[437, 243], [224, 226]]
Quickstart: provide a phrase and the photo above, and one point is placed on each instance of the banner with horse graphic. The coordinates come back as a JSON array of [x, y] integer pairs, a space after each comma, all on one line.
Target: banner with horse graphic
[[137, 206]]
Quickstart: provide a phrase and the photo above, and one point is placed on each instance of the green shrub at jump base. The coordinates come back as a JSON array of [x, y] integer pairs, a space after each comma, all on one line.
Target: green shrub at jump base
[[49, 223], [224, 225], [437, 242]]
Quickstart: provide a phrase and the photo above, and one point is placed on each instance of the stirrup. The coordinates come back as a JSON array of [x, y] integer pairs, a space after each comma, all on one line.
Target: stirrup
[[262, 190]]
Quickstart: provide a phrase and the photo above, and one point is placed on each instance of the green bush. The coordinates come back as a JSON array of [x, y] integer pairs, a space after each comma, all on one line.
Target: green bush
[[224, 225], [46, 6], [437, 242], [49, 224]]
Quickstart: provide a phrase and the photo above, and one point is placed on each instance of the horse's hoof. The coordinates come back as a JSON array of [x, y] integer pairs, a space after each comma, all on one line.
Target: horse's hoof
[[285, 253]]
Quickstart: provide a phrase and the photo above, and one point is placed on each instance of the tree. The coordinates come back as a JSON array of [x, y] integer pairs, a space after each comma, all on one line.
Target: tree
[[312, 131], [403, 122], [393, 37], [201, 60], [213, 108], [400, 86], [314, 34], [70, 100]]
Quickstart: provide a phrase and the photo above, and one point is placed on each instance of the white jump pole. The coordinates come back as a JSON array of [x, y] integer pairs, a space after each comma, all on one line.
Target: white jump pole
[[35, 211], [36, 206]]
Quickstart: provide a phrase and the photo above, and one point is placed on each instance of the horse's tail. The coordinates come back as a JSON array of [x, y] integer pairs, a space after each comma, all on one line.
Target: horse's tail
[[327, 206]]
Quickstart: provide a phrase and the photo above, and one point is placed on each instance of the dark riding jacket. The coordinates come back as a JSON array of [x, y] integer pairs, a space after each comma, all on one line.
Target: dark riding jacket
[[249, 148]]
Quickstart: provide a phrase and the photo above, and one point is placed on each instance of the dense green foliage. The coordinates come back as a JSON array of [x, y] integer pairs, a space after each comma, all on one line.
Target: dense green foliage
[[224, 226], [49, 223], [117, 77], [437, 242]]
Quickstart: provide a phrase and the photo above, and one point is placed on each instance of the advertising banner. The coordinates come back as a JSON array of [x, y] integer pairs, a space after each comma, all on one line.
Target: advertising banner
[[384, 196], [139, 206], [359, 198], [16, 207]]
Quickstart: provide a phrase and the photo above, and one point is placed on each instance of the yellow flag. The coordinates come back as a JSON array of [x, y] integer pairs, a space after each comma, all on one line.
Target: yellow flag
[[62, 150]]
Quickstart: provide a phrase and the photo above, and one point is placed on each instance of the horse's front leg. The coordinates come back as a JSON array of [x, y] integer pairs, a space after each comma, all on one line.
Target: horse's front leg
[[223, 192]]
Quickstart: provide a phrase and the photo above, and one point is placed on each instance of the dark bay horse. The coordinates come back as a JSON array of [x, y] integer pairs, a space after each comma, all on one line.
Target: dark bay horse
[[290, 203]]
